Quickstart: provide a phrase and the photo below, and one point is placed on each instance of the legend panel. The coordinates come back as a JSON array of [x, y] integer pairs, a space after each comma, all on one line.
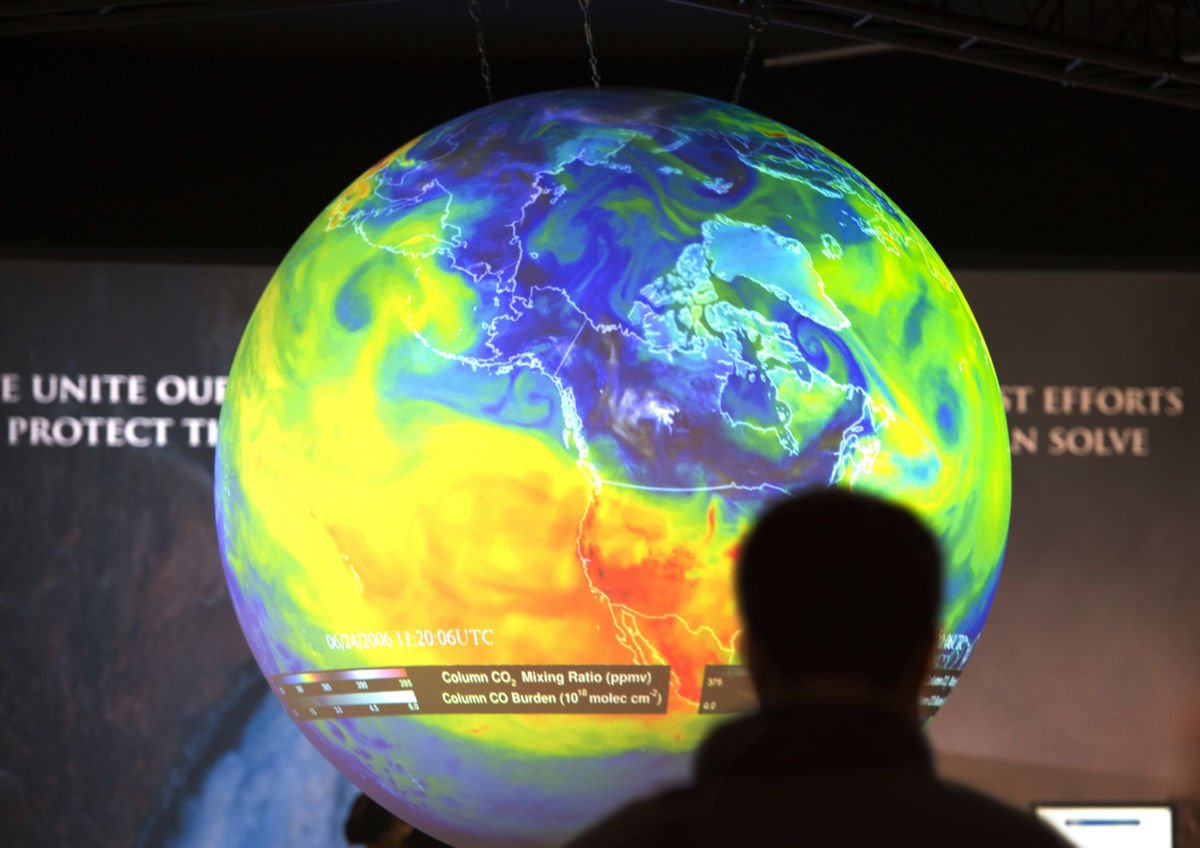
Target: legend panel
[[413, 690], [727, 689]]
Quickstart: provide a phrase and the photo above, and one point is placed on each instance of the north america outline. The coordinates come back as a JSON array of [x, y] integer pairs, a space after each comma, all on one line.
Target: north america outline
[[536, 372]]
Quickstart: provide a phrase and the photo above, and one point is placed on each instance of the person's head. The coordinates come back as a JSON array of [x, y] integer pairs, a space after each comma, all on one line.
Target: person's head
[[839, 594], [371, 825]]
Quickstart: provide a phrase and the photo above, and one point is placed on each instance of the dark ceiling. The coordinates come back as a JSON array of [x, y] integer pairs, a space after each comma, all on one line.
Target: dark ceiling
[[402, 30], [221, 137]]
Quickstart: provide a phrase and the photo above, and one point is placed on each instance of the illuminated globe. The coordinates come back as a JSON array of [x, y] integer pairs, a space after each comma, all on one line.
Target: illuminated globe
[[504, 411]]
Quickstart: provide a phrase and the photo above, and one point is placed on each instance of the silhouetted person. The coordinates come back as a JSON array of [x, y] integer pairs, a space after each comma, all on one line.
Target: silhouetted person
[[371, 825], [839, 595]]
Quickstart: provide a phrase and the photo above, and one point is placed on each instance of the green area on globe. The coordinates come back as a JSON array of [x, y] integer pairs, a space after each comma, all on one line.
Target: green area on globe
[[512, 400]]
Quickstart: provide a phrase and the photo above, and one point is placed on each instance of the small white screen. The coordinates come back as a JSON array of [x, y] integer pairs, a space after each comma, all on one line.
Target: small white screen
[[1110, 827]]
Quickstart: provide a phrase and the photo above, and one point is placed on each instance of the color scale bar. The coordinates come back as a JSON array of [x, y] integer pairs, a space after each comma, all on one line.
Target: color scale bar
[[343, 674], [349, 699]]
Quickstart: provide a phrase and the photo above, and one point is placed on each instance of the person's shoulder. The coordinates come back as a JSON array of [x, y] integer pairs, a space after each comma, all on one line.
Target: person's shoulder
[[659, 820], [995, 822]]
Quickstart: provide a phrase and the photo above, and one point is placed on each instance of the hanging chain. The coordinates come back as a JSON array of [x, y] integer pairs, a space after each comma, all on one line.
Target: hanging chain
[[759, 18], [586, 5], [485, 69]]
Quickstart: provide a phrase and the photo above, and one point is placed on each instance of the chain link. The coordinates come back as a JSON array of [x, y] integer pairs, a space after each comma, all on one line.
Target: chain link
[[485, 68], [586, 5], [760, 16]]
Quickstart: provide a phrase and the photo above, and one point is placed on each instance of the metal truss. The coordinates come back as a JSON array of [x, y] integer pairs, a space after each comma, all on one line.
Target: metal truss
[[1139, 48]]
